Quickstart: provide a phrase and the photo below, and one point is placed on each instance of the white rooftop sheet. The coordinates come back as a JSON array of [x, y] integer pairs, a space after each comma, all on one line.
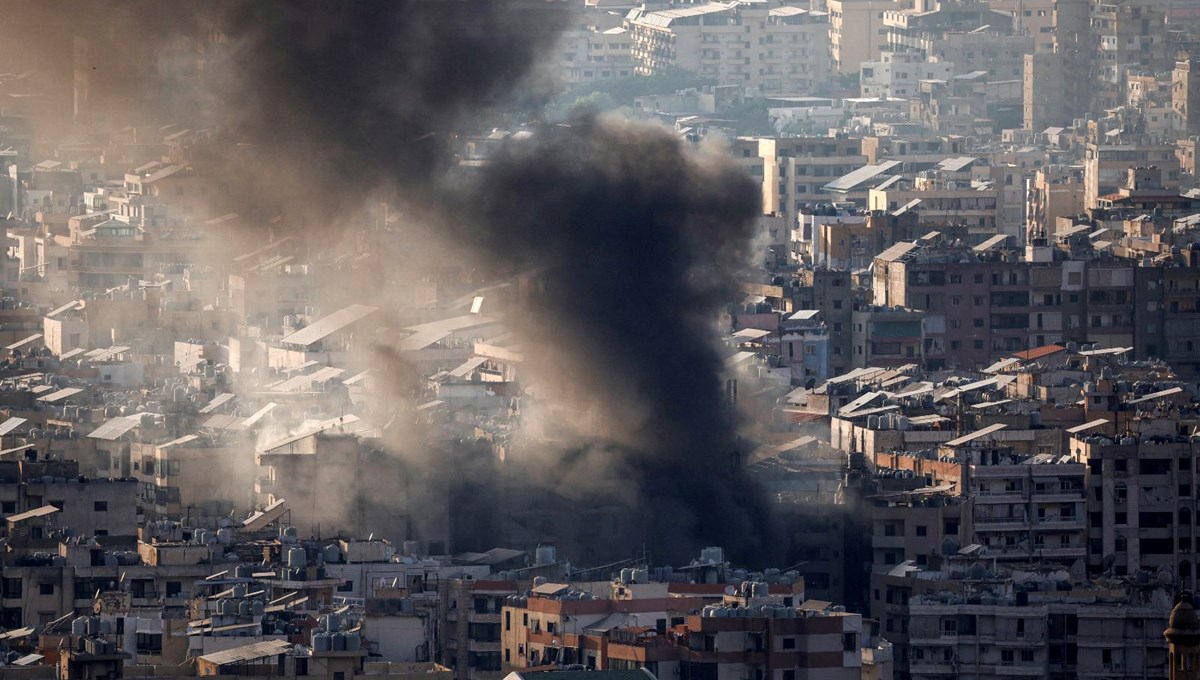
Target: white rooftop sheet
[[738, 358], [73, 304], [60, 395], [1087, 426], [804, 314], [452, 324], [966, 438], [896, 251], [1156, 395], [26, 341], [71, 354], [10, 425], [268, 514], [860, 402], [423, 339], [989, 404], [217, 402], [467, 366], [356, 378], [319, 427], [328, 325], [751, 333], [115, 427], [852, 180], [1000, 365], [1106, 350], [906, 207], [107, 353], [259, 414], [992, 242], [956, 164]]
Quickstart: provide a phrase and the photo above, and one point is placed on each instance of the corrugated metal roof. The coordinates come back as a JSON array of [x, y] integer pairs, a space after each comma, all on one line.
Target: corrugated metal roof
[[896, 252], [852, 180], [328, 325], [115, 427], [217, 402], [60, 395], [250, 652], [43, 511], [967, 438]]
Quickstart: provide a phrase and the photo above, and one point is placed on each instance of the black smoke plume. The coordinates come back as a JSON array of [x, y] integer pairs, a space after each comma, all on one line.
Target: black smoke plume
[[633, 237], [635, 240]]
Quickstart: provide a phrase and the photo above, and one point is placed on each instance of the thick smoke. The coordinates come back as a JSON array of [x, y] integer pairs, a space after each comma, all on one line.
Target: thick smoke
[[632, 238]]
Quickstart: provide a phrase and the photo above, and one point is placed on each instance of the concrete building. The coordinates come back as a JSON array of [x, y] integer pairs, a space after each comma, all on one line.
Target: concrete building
[[762, 49], [855, 30], [1185, 95], [796, 169], [1070, 631], [897, 74], [1052, 193]]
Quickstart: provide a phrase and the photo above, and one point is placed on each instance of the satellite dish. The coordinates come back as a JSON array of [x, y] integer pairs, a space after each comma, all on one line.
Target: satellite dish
[[730, 590]]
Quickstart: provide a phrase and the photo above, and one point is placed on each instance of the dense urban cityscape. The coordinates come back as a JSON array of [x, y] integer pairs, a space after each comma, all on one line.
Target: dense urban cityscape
[[600, 339]]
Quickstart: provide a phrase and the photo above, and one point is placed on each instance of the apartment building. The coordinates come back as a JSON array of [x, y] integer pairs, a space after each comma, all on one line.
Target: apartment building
[[856, 32], [595, 53], [987, 306], [1128, 36], [1027, 508], [945, 201], [852, 244], [1053, 192], [897, 74], [1142, 491], [796, 168], [470, 620], [764, 50], [750, 630], [1106, 166], [1037, 628], [831, 292], [1185, 95]]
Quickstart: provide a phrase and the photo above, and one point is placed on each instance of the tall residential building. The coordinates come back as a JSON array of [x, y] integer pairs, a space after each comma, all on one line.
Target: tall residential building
[[1053, 192], [854, 32], [765, 50], [1185, 94], [1107, 164], [795, 169], [1128, 36]]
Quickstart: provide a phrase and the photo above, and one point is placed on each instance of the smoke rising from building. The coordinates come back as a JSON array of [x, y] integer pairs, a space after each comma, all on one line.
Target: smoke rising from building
[[631, 235], [633, 238]]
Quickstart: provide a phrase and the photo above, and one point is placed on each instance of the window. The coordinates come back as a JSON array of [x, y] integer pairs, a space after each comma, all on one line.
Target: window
[[100, 506], [45, 589], [346, 587], [922, 530], [789, 643]]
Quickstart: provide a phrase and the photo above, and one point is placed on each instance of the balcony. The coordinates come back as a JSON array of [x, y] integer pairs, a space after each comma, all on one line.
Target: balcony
[[1058, 523], [946, 668], [1000, 523], [1028, 669]]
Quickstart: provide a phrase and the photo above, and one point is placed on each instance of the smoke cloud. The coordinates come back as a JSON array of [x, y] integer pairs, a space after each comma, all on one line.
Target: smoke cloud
[[633, 239]]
